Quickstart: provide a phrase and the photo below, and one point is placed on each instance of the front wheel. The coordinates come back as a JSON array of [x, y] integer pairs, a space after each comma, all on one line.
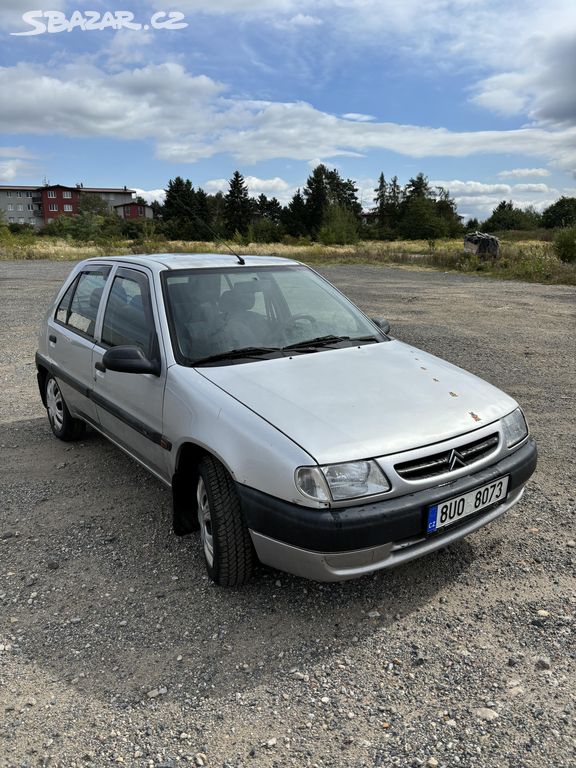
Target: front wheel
[[63, 425], [224, 534]]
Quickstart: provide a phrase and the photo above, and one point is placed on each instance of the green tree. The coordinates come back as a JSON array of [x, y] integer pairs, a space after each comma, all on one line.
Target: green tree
[[506, 216], [418, 186], [340, 226], [316, 198], [472, 225], [420, 220], [394, 204], [294, 216], [565, 244], [237, 206], [446, 210], [90, 203], [179, 201], [381, 206], [562, 213], [324, 190], [216, 204]]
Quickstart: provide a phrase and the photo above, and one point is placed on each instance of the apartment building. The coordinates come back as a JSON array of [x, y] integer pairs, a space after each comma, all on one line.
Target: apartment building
[[17, 205], [20, 204]]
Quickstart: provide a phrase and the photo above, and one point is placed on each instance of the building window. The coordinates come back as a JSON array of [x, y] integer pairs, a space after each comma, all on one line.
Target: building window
[[18, 194], [28, 194], [51, 193], [67, 194], [53, 207], [10, 207], [30, 206], [140, 210], [11, 219], [21, 221], [8, 193], [20, 207], [68, 208]]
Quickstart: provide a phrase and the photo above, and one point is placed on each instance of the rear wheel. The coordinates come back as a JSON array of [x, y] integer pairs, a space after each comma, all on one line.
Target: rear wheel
[[224, 534], [63, 425]]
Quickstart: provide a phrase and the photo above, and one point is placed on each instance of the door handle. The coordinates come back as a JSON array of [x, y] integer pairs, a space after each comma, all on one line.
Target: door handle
[[52, 338], [100, 367]]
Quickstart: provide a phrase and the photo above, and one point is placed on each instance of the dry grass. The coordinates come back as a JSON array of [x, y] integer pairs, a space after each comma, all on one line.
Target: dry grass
[[531, 260]]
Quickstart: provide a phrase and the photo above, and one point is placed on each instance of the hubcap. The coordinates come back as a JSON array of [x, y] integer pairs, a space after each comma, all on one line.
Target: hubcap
[[205, 520], [55, 404]]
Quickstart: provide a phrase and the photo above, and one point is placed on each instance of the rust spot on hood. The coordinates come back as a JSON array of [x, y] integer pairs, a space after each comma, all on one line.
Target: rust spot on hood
[[475, 416]]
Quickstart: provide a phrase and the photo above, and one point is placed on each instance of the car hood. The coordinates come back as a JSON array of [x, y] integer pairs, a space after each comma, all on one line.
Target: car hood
[[361, 402]]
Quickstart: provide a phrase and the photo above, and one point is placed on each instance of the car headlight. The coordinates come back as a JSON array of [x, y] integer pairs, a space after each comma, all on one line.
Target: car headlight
[[514, 427], [342, 481]]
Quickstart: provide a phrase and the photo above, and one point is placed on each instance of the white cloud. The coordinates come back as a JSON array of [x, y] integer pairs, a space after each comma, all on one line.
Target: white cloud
[[358, 117], [151, 195], [472, 188], [275, 187], [522, 173], [128, 48], [193, 119], [15, 163], [300, 21], [540, 189], [11, 13]]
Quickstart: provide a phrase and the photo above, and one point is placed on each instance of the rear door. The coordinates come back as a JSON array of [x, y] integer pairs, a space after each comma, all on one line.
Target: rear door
[[129, 405], [71, 336]]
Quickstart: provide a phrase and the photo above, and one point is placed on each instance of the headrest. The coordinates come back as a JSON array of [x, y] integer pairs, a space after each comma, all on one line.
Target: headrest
[[236, 301]]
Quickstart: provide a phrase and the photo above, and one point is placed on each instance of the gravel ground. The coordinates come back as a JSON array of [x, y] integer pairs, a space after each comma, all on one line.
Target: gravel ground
[[116, 649]]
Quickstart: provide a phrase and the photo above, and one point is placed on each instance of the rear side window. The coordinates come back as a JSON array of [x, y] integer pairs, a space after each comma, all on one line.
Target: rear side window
[[128, 317], [79, 305]]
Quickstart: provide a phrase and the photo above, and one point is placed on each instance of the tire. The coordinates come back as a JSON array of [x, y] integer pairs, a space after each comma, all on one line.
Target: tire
[[61, 422], [224, 535]]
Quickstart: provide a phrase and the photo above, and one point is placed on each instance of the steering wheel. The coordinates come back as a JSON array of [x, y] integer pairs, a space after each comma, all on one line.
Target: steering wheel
[[291, 325]]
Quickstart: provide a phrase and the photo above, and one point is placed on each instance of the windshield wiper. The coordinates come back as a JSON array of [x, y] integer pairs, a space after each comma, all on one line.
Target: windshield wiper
[[324, 341], [234, 354], [319, 341]]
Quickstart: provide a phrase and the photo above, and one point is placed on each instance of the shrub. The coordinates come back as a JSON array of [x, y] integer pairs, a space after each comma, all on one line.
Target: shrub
[[565, 245]]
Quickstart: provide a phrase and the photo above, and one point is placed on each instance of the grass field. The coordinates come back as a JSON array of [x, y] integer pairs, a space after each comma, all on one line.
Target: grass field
[[530, 260]]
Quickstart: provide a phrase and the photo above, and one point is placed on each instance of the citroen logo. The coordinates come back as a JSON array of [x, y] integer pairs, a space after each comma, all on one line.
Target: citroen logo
[[455, 461]]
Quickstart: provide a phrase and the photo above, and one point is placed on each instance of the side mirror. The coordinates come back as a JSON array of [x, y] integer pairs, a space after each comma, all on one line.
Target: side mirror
[[383, 324], [128, 359]]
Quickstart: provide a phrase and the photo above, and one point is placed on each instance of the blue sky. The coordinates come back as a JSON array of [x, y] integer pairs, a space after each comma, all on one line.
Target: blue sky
[[477, 94]]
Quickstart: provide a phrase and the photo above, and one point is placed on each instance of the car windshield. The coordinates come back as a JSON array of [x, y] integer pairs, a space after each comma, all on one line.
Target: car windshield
[[245, 314]]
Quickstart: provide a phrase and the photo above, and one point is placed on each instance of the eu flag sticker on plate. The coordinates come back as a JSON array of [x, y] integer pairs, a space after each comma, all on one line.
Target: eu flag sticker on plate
[[432, 514]]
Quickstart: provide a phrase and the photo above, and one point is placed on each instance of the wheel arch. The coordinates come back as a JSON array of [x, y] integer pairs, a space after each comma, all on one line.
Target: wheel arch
[[184, 480], [42, 375]]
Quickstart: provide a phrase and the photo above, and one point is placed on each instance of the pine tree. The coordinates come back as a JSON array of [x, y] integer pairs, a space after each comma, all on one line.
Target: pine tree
[[316, 197], [381, 206], [294, 216], [180, 200], [418, 187], [394, 204], [237, 206]]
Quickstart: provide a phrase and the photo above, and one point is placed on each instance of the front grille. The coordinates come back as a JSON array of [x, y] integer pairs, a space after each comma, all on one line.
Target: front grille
[[447, 461]]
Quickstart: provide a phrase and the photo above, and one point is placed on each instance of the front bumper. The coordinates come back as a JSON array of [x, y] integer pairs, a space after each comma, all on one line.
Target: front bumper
[[338, 544]]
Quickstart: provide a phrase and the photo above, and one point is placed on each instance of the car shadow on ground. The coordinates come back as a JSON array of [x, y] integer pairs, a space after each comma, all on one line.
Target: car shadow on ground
[[100, 592]]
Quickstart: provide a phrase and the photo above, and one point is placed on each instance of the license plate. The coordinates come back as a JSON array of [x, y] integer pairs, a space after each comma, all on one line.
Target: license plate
[[452, 510]]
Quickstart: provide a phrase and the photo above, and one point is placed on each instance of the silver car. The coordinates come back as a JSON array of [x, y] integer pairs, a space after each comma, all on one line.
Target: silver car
[[291, 428]]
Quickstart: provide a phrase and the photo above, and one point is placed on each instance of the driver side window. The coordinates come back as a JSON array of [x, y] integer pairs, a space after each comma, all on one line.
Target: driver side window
[[128, 318]]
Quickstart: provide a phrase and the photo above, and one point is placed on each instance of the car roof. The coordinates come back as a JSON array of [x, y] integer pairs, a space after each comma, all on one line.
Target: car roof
[[164, 261]]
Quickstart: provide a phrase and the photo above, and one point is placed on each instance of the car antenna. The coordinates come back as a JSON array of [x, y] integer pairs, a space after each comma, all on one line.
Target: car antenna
[[216, 237]]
